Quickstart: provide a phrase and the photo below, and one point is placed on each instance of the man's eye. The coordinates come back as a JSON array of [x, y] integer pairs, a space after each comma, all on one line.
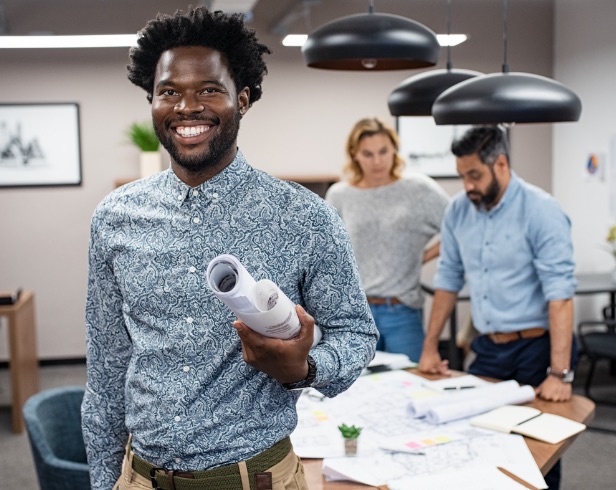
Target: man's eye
[[168, 92]]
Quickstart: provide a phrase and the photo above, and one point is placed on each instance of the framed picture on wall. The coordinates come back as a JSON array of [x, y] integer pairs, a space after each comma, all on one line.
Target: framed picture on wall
[[39, 145], [426, 147]]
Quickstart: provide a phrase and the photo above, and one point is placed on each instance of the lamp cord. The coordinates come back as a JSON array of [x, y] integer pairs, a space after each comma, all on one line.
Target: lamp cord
[[449, 35], [505, 24]]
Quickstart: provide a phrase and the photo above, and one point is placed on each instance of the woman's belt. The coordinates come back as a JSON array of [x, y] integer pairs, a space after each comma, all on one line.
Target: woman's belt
[[376, 300]]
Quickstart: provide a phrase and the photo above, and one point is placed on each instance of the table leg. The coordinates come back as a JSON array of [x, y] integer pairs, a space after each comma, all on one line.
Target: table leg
[[23, 359], [454, 353]]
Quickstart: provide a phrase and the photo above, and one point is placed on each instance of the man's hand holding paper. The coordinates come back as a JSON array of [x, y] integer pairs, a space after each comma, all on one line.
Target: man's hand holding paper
[[282, 359]]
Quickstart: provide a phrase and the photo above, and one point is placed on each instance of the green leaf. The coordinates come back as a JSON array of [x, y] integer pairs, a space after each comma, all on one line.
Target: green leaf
[[142, 135], [349, 432]]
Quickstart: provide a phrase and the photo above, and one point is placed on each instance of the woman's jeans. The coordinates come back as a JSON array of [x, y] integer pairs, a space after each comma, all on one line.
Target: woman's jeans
[[401, 329]]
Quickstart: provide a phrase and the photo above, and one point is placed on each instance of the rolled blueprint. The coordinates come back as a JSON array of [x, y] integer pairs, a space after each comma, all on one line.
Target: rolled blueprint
[[261, 305], [421, 406], [483, 403]]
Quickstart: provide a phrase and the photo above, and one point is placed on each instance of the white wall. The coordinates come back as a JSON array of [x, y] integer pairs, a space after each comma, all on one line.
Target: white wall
[[299, 127], [585, 61]]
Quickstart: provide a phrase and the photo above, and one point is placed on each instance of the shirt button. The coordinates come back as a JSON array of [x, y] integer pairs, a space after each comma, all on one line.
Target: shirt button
[[180, 197], [186, 369], [195, 193], [215, 195], [177, 418], [192, 269], [196, 220], [189, 319], [178, 460]]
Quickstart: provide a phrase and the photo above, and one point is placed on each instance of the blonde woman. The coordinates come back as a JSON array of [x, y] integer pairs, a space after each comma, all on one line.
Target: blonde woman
[[391, 219]]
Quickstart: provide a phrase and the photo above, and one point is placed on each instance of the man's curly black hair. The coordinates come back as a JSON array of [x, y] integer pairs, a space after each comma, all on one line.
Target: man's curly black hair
[[200, 27]]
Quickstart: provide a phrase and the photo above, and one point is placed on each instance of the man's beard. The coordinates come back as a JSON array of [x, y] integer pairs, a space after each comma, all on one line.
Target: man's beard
[[218, 146], [487, 199]]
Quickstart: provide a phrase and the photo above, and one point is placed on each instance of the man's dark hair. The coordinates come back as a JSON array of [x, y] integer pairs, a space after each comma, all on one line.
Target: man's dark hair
[[200, 27], [488, 142]]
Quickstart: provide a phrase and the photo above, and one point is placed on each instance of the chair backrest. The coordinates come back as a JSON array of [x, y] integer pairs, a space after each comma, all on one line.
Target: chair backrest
[[53, 422]]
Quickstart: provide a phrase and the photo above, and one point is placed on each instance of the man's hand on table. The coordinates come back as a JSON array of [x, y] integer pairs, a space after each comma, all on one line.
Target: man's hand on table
[[554, 390], [431, 363]]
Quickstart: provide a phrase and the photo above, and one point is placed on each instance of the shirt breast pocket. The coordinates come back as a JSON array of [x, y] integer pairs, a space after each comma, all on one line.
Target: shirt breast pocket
[[510, 251]]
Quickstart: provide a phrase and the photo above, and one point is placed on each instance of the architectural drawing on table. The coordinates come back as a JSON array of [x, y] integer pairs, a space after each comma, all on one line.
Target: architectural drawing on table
[[14, 150]]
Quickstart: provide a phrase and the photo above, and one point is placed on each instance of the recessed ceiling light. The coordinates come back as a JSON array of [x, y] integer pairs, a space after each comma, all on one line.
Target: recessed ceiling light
[[294, 39], [451, 39], [90, 41]]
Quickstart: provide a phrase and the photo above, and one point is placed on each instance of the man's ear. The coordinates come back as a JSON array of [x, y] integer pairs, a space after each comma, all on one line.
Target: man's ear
[[243, 100], [502, 161]]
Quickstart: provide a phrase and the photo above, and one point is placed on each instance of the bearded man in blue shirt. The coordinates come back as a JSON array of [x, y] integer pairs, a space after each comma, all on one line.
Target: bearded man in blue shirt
[[198, 399], [511, 242]]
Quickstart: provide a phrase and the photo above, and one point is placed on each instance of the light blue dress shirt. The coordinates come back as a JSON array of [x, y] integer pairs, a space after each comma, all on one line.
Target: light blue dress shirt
[[164, 362], [516, 257]]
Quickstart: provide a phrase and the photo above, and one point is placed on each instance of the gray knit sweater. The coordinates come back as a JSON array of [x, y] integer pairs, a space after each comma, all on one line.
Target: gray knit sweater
[[389, 228]]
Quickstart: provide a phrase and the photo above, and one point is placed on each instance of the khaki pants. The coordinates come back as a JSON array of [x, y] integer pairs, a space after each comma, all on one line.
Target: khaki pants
[[288, 474]]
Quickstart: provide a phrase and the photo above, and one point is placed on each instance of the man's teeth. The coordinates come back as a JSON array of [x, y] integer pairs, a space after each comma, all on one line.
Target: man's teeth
[[187, 131]]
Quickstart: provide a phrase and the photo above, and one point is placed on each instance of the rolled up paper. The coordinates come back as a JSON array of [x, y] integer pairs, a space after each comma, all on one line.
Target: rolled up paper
[[483, 403], [261, 305]]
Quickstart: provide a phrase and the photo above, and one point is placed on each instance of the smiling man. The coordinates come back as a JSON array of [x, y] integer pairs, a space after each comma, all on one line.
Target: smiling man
[[511, 242], [179, 394]]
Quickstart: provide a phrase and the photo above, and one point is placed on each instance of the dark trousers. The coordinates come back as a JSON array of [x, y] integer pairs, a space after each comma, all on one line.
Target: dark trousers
[[526, 361]]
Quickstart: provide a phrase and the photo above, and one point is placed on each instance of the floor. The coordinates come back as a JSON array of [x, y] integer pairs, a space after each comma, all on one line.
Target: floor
[[589, 464]]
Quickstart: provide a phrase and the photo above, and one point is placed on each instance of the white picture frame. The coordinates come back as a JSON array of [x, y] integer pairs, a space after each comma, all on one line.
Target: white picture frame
[[426, 147], [40, 145]]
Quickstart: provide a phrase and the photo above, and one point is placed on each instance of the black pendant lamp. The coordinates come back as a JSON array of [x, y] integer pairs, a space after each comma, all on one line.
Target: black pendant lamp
[[415, 95], [371, 42], [506, 98]]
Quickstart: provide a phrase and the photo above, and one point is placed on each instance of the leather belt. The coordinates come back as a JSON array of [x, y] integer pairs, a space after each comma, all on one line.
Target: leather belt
[[226, 477], [506, 337], [375, 300]]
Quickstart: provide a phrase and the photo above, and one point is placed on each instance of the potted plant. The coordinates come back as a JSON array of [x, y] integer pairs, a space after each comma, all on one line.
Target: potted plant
[[143, 136], [350, 433], [611, 241]]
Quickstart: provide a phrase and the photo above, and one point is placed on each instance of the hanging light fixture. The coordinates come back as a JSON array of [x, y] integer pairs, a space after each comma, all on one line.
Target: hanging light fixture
[[506, 98], [371, 41], [415, 95]]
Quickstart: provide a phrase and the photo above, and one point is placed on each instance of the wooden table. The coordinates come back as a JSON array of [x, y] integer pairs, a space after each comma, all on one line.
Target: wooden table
[[579, 408], [23, 358]]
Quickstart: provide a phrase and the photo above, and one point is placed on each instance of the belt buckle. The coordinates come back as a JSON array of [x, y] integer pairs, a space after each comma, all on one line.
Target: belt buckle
[[499, 338], [153, 476]]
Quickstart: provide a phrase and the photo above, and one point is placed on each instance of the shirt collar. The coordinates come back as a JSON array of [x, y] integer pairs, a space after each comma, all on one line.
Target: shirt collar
[[222, 183]]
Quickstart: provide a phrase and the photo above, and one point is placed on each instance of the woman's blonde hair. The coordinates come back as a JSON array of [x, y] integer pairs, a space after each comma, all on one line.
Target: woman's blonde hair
[[363, 128]]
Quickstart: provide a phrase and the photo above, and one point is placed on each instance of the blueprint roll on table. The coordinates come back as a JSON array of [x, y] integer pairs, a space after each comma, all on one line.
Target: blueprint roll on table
[[261, 305]]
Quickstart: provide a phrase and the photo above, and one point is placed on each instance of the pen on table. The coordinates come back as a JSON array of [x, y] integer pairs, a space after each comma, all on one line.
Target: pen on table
[[403, 451], [458, 387]]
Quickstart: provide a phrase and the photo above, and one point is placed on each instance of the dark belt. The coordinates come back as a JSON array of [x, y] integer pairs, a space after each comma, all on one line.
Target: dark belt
[[506, 337], [375, 300], [222, 478]]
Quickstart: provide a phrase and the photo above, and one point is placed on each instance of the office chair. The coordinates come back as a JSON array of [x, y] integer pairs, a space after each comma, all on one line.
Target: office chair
[[598, 339], [53, 421]]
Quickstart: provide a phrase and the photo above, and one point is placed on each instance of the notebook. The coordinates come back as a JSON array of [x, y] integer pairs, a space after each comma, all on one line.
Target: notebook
[[529, 422]]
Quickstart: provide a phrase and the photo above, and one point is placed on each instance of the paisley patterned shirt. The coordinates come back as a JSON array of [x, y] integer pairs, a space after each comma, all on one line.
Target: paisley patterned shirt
[[164, 362]]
